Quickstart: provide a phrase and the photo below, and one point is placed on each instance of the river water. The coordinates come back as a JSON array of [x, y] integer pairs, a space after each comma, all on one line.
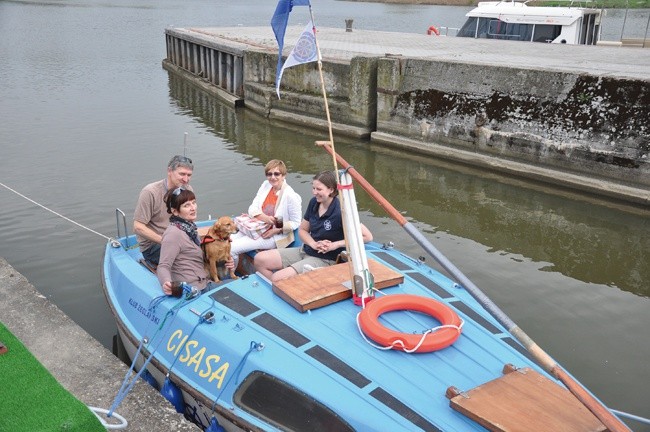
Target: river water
[[88, 116]]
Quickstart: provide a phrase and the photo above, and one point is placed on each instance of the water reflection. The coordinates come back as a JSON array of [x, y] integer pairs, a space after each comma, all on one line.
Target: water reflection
[[578, 239]]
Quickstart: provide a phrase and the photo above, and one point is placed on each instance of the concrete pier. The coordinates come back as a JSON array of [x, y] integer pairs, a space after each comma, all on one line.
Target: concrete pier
[[573, 116], [80, 363]]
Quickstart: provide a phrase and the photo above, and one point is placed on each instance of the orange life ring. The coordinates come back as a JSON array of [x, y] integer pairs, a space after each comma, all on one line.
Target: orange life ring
[[440, 338], [433, 30]]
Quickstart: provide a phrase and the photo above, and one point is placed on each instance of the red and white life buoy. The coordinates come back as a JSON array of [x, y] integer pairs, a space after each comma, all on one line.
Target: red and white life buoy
[[438, 338], [433, 30]]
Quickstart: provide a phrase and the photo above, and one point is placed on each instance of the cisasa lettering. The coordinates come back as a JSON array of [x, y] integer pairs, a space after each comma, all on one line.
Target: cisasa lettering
[[206, 365]]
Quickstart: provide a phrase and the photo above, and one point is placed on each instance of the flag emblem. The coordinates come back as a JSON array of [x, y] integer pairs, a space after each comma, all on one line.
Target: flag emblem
[[305, 49]]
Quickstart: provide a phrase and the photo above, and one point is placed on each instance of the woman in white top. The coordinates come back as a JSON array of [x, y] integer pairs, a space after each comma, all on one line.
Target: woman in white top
[[276, 204]]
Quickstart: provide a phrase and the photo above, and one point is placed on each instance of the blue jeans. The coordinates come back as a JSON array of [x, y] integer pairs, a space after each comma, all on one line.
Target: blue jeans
[[152, 254]]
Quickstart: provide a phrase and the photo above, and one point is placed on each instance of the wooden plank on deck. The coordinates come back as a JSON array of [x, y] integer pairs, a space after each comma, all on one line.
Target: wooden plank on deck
[[524, 400], [324, 286]]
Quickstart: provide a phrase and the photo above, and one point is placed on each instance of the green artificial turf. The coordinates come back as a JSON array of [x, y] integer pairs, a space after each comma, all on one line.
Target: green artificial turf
[[32, 400]]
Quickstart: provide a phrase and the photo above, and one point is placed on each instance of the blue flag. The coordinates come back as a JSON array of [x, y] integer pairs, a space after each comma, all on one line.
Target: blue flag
[[279, 24]]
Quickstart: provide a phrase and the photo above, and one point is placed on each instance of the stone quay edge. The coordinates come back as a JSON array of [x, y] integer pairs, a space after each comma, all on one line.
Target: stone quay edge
[[576, 117], [78, 362]]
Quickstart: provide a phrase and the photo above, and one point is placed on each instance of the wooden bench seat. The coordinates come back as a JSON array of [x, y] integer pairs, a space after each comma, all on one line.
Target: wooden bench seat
[[327, 285], [523, 400]]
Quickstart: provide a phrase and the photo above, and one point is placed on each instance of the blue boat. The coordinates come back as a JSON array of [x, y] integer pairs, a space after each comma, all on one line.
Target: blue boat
[[300, 355], [413, 350]]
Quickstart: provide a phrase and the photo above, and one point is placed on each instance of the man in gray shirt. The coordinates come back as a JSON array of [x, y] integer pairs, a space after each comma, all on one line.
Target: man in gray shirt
[[150, 218]]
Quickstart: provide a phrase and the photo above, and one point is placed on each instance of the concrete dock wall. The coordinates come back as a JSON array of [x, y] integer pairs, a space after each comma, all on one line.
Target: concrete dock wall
[[350, 87], [573, 116], [573, 122], [215, 61]]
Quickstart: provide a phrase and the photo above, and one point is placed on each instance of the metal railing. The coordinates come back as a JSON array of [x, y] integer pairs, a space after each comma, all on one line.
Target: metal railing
[[449, 31]]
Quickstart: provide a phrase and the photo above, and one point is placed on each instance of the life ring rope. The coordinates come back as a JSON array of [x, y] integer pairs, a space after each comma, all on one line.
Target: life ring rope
[[432, 339], [401, 343]]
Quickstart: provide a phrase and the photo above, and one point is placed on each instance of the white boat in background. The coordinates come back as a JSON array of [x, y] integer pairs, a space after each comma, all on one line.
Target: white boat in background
[[512, 20]]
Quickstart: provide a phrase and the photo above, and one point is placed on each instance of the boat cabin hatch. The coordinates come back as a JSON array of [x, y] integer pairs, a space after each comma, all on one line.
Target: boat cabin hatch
[[272, 399], [511, 20]]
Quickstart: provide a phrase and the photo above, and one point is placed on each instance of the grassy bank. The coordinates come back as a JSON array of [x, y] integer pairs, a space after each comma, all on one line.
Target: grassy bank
[[33, 400]]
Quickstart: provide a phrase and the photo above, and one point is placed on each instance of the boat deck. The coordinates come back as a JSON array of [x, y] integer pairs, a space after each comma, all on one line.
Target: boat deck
[[321, 350]]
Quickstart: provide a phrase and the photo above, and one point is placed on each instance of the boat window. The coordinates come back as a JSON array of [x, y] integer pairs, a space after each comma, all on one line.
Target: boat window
[[498, 29], [588, 30], [468, 29], [284, 406], [546, 33]]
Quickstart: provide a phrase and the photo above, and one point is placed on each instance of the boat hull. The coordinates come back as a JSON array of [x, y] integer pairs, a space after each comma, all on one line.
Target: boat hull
[[196, 407], [264, 365]]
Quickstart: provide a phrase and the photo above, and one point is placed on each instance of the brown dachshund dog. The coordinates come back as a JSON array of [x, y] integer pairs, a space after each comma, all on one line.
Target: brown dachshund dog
[[216, 248]]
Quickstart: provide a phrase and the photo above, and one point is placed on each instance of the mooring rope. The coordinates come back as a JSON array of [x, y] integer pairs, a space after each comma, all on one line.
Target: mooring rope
[[127, 384], [55, 213], [205, 317]]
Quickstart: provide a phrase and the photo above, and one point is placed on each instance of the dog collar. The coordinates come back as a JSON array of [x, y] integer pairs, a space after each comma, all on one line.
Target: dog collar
[[210, 239], [207, 239]]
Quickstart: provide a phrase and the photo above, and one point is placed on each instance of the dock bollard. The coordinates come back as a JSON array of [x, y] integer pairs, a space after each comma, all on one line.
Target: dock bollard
[[348, 25]]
